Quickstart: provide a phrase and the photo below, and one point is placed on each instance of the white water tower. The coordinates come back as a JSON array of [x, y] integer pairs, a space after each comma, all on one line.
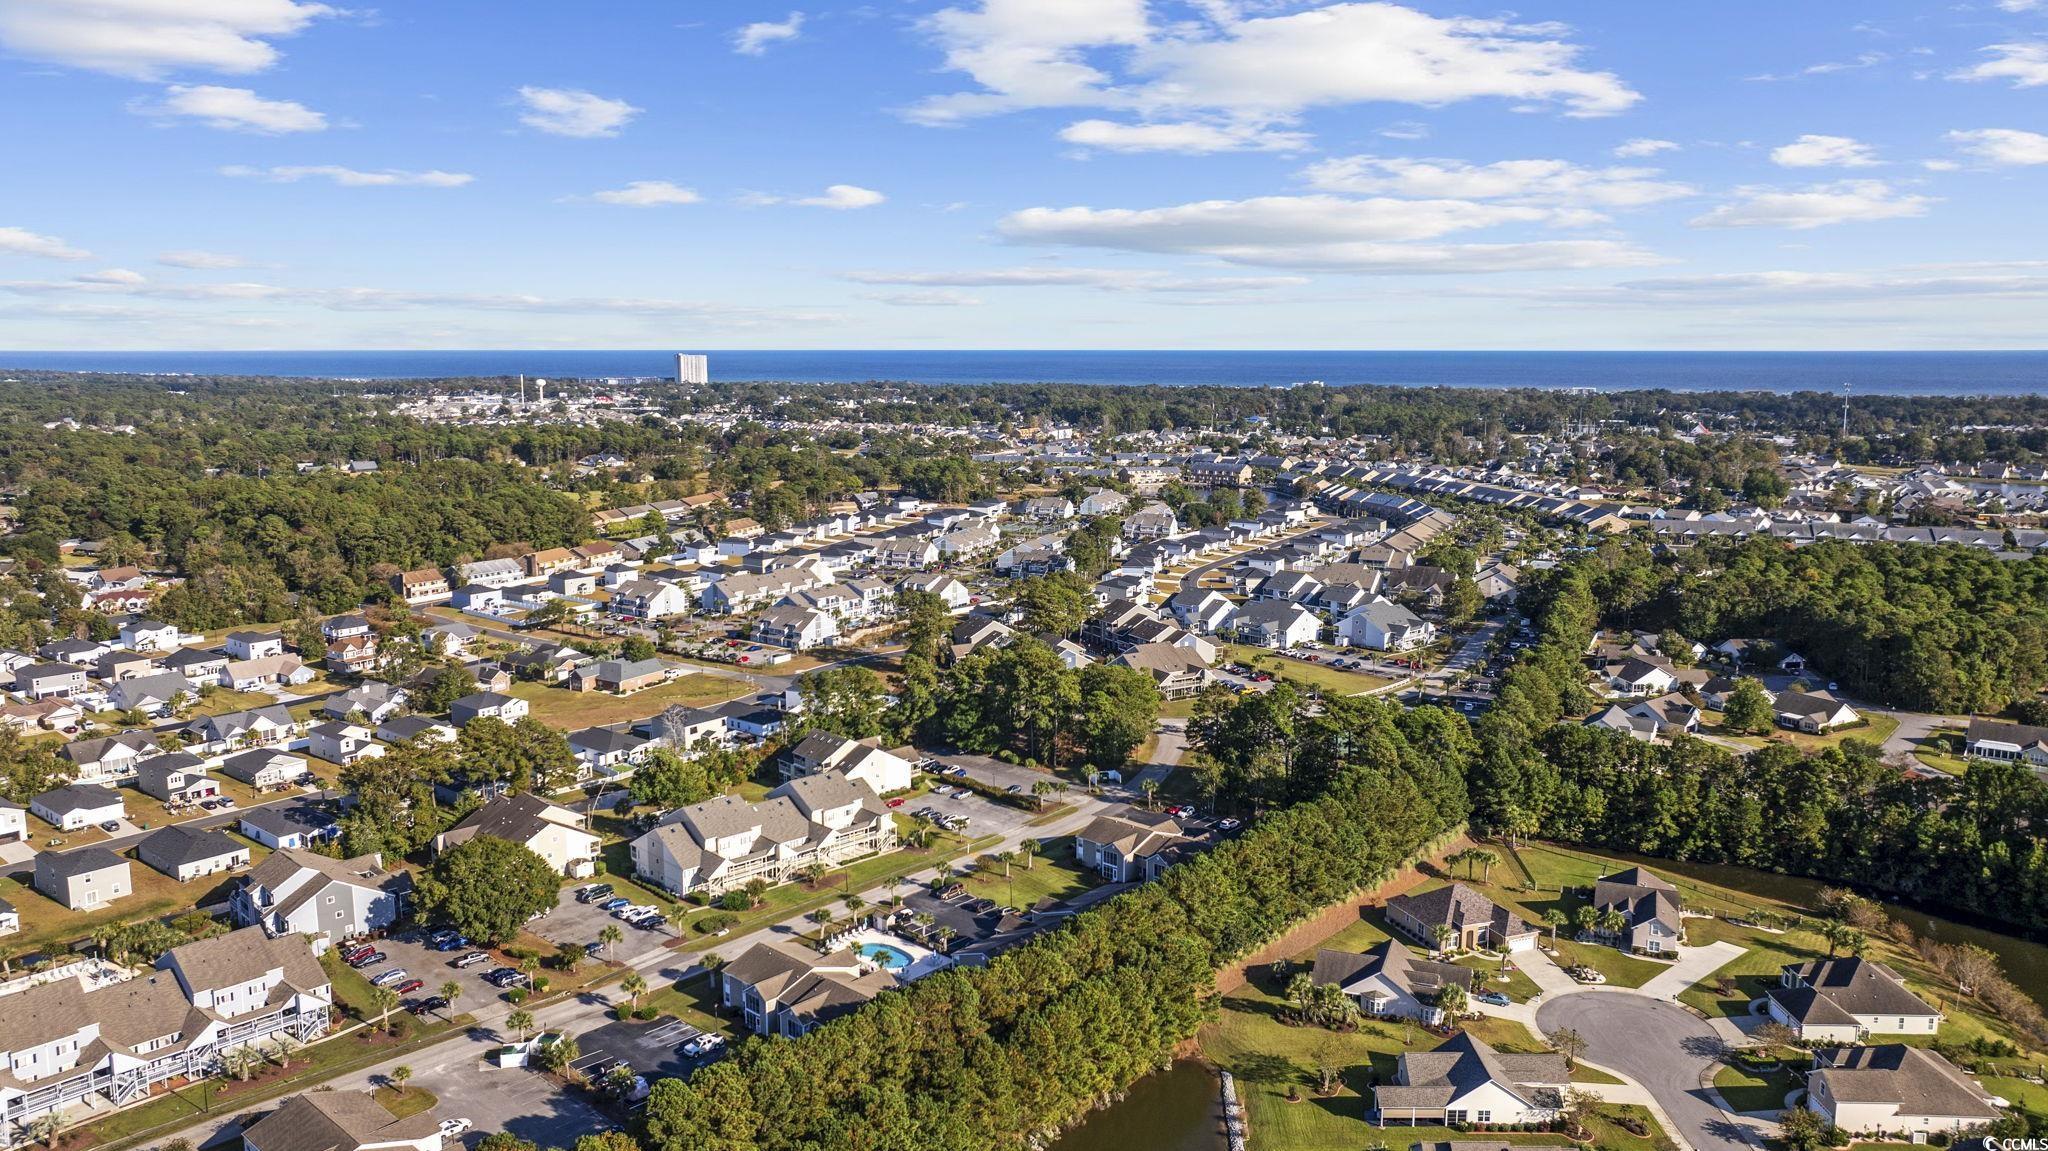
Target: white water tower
[[540, 391]]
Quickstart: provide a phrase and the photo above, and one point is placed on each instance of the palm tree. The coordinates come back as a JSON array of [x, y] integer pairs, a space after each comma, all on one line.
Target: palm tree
[[1030, 849], [558, 1055], [1569, 1044], [522, 1022], [1613, 922], [1486, 860], [1555, 918], [633, 985], [674, 917], [610, 937], [1151, 788], [1006, 858], [383, 999], [1442, 933], [239, 1062], [43, 1129], [451, 991], [568, 957], [528, 966], [1837, 935], [287, 1046], [400, 1076]]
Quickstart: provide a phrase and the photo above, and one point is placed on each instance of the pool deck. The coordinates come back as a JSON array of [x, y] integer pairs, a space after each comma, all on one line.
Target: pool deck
[[923, 960]]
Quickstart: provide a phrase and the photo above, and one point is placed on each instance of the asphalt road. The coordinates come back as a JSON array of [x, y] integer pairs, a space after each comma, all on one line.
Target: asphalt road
[[1667, 1049]]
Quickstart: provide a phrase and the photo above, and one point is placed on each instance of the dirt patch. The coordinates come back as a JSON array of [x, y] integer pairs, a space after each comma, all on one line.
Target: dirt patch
[[1338, 916]]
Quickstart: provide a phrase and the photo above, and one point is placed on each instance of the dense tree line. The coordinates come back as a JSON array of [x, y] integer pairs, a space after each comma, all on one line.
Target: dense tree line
[[973, 1059]]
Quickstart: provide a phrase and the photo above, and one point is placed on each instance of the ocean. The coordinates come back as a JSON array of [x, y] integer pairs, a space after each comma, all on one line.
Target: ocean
[[1868, 373]]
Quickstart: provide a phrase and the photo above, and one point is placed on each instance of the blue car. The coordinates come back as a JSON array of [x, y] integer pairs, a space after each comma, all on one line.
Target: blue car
[[615, 904], [1493, 997]]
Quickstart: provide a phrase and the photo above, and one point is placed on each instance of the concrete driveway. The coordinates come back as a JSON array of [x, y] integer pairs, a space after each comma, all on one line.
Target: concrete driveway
[[1666, 1049]]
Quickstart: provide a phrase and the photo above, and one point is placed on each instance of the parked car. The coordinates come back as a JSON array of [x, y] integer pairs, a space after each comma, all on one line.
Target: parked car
[[1228, 824], [470, 960], [111, 826], [362, 961], [410, 986], [450, 1128], [386, 979], [704, 1045], [897, 802], [594, 892], [615, 903], [1494, 998]]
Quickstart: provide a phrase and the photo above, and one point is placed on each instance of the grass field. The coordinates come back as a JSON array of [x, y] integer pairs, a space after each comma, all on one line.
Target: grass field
[[1942, 750], [570, 710], [402, 1103], [1252, 1039], [1879, 729], [1756, 1090], [1301, 672], [1051, 878]]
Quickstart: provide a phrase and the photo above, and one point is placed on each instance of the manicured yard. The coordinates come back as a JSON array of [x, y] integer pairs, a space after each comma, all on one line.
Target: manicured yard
[[693, 1001], [1943, 751], [401, 1103], [47, 925], [1877, 730], [1756, 1090], [1252, 1039], [224, 700], [1052, 878], [570, 710]]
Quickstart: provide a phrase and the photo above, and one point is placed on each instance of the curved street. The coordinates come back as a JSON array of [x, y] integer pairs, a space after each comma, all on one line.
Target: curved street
[[1666, 1049]]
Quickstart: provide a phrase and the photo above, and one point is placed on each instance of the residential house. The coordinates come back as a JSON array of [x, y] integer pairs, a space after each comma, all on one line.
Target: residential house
[[1635, 675], [1046, 509], [685, 728], [822, 752], [13, 824], [909, 553], [1275, 623], [267, 769], [547, 663], [744, 591], [1102, 502], [83, 879], [618, 676], [1465, 1081], [344, 627], [265, 671], [1390, 980], [77, 806], [355, 654], [1385, 626], [605, 750], [946, 587], [1151, 522], [375, 701], [969, 541], [781, 989], [119, 665], [648, 599], [295, 892], [107, 758], [725, 842], [546, 562], [148, 693], [1651, 911], [149, 635], [498, 573], [247, 645], [1813, 712], [1896, 1091], [1176, 671], [288, 827], [1473, 921], [489, 705], [42, 680], [796, 628], [421, 587], [406, 728], [264, 726], [448, 640], [1667, 715], [200, 665], [976, 631], [1130, 845], [176, 777], [1847, 998], [483, 599], [556, 834], [1202, 610], [340, 742], [78, 1042], [341, 1121], [185, 854], [2007, 742]]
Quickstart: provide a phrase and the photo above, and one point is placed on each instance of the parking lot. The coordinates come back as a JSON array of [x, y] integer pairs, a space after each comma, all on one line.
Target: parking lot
[[654, 1050], [517, 1101], [409, 950], [581, 923]]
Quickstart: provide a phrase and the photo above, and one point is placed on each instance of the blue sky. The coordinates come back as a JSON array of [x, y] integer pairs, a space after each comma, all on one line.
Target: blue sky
[[1023, 174]]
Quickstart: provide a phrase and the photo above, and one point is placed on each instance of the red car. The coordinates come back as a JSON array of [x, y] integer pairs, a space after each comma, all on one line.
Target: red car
[[897, 802], [410, 986]]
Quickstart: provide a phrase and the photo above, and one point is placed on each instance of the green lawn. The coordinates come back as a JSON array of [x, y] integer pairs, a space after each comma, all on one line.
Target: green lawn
[[693, 1002], [410, 1101], [1756, 1090], [1251, 1039], [1301, 672], [1053, 877], [1942, 751], [1486, 977]]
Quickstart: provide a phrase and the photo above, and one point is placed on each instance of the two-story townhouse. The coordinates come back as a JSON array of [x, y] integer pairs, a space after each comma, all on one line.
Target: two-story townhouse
[[725, 842], [554, 833], [341, 742], [296, 892]]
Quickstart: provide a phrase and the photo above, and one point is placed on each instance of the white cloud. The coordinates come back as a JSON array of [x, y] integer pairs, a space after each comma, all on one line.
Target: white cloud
[[113, 276], [146, 39], [22, 242], [350, 177], [2025, 64], [1323, 233], [1812, 151], [1818, 206], [1110, 279], [648, 194], [930, 299], [2003, 145], [572, 112], [1643, 146], [2019, 280], [754, 39], [233, 110], [2018, 5], [843, 197], [1255, 71], [1406, 130], [1526, 181], [1191, 137], [203, 261]]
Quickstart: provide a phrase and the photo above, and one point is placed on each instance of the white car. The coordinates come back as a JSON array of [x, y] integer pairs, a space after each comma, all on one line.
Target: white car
[[450, 1128], [704, 1045], [395, 975]]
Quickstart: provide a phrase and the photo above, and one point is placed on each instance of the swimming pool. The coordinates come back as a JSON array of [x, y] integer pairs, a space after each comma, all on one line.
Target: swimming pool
[[891, 958]]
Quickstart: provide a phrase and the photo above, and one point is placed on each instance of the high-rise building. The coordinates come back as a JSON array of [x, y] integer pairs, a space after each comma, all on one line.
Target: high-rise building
[[692, 369]]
